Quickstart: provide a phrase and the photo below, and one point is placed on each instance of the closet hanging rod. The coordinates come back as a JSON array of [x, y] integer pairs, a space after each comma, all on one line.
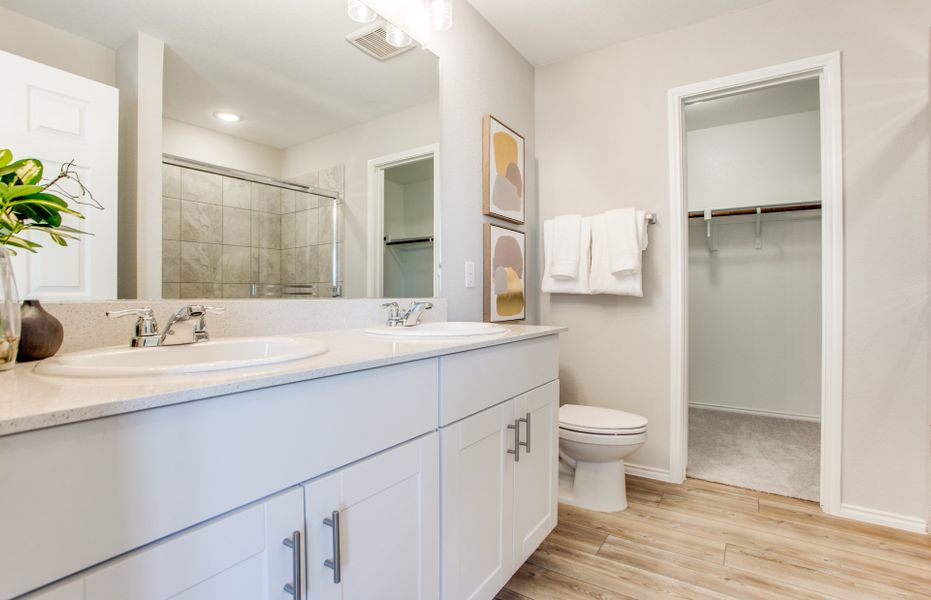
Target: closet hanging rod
[[778, 208], [413, 240]]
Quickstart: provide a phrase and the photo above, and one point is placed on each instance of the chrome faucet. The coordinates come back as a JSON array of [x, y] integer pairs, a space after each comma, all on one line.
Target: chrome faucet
[[187, 326], [414, 313], [146, 331], [407, 318]]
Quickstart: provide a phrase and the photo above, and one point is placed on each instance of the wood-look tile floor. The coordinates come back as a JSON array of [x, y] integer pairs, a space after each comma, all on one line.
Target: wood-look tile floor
[[707, 540]]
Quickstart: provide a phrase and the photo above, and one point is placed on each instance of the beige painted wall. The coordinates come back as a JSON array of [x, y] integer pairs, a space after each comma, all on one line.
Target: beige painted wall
[[197, 143], [601, 128], [354, 147], [57, 48]]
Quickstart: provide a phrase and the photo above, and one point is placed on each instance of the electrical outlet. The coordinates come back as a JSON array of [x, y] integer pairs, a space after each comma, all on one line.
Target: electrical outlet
[[470, 274]]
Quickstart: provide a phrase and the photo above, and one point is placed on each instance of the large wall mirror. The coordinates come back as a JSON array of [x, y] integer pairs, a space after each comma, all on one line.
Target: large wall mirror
[[296, 148]]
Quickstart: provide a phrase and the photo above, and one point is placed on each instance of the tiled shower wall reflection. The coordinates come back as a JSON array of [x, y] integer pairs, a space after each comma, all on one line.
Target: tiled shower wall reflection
[[224, 237]]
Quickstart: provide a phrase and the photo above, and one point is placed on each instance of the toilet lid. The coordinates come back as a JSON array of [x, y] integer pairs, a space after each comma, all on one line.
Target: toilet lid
[[594, 419]]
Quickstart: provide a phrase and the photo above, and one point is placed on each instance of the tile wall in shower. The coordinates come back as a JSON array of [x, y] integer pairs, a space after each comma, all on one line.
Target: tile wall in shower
[[221, 235]]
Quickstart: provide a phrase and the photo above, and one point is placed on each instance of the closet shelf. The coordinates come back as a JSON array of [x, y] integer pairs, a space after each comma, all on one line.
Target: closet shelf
[[411, 240], [777, 208]]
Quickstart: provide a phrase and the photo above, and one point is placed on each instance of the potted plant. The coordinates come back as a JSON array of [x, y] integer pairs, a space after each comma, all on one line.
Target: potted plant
[[28, 205]]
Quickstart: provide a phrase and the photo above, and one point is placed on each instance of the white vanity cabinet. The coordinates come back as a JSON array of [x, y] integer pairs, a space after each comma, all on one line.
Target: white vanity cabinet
[[424, 480], [251, 554], [373, 528], [499, 470]]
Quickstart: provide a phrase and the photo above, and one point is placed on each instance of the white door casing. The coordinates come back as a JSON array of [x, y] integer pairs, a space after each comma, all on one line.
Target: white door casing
[[58, 117], [376, 217], [827, 69]]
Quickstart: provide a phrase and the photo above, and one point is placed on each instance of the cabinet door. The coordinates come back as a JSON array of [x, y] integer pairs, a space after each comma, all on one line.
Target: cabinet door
[[238, 557], [536, 476], [478, 487], [377, 521]]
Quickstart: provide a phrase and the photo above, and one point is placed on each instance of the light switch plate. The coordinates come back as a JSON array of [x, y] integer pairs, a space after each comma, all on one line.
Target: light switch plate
[[470, 274]]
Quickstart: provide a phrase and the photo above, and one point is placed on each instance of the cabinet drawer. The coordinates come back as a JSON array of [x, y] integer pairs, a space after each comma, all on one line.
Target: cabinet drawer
[[473, 381]]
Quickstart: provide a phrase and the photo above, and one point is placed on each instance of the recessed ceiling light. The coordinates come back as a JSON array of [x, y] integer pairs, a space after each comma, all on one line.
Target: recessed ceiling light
[[360, 13], [228, 117]]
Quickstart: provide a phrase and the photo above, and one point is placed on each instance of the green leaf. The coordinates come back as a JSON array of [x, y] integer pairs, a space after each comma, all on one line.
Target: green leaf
[[17, 242], [5, 157], [29, 170], [50, 204], [21, 190]]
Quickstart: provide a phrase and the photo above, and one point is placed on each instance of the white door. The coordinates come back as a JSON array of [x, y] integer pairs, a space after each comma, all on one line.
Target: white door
[[536, 475], [57, 117], [239, 557], [373, 527], [478, 488]]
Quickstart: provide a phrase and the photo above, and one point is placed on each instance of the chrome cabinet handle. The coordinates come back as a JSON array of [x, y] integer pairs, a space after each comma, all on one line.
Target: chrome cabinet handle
[[526, 420], [334, 563], [517, 444], [294, 543]]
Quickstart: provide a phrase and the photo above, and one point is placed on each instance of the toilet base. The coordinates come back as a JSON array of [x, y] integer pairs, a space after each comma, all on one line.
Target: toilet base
[[594, 486]]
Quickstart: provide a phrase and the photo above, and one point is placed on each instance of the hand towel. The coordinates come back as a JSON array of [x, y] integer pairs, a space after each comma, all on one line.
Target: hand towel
[[566, 232], [579, 285], [602, 280], [623, 240]]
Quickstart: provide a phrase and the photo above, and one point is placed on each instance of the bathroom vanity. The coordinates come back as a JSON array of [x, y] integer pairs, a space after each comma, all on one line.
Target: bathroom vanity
[[382, 469]]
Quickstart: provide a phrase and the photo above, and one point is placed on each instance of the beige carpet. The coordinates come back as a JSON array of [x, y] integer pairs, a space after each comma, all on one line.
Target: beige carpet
[[767, 454]]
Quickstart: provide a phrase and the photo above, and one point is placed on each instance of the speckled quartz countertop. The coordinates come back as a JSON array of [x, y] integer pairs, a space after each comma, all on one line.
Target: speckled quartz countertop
[[30, 401]]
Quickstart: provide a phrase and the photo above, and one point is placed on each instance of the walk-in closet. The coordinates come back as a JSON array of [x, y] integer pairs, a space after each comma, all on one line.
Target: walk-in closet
[[753, 175]]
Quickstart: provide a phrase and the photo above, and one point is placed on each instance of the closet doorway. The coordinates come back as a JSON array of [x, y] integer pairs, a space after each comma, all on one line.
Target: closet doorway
[[756, 200], [403, 240]]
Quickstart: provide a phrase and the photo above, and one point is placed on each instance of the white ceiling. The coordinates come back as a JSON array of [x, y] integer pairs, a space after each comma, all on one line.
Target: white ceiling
[[772, 101], [548, 31], [283, 65]]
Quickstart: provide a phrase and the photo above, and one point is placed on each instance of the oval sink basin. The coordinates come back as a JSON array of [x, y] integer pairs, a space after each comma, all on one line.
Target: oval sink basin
[[438, 330], [215, 355]]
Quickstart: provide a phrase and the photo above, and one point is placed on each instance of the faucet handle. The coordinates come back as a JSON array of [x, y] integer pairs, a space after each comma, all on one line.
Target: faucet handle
[[146, 332], [145, 313]]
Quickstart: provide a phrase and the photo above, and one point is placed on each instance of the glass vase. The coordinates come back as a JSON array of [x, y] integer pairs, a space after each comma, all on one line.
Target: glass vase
[[10, 317]]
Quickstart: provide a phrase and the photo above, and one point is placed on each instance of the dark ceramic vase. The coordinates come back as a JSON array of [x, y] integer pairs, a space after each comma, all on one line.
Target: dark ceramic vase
[[41, 335]]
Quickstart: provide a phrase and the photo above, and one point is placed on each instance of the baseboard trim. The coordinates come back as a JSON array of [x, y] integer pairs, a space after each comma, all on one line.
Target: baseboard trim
[[649, 473], [755, 411], [881, 517]]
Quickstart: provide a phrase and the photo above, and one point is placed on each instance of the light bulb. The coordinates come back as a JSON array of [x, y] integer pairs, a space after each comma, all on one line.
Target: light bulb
[[227, 117], [360, 13], [396, 36], [441, 13]]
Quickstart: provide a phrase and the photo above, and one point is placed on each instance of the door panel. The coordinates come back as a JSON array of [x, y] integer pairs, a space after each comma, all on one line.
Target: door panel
[[537, 473], [388, 508], [58, 117], [240, 556], [478, 490]]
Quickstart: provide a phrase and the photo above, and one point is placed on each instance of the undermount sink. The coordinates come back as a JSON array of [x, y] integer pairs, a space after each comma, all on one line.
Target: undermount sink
[[215, 355], [438, 330]]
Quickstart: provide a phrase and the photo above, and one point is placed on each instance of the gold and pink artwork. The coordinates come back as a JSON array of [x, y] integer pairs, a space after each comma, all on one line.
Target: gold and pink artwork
[[505, 274], [503, 171]]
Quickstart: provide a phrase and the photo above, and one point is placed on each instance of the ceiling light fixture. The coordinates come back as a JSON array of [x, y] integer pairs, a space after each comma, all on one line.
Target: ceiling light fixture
[[227, 117], [360, 13], [441, 13], [396, 36]]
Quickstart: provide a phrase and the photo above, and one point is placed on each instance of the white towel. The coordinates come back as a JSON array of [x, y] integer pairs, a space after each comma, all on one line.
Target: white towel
[[603, 281], [567, 230], [579, 285], [623, 240]]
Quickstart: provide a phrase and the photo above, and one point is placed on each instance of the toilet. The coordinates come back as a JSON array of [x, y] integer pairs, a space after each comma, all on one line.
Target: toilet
[[593, 443]]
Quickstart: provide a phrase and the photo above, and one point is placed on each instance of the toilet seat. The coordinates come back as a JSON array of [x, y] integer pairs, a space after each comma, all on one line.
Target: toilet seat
[[598, 421]]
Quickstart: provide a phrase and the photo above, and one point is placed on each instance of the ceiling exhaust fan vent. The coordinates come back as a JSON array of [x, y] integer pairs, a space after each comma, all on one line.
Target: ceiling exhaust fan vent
[[372, 41]]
